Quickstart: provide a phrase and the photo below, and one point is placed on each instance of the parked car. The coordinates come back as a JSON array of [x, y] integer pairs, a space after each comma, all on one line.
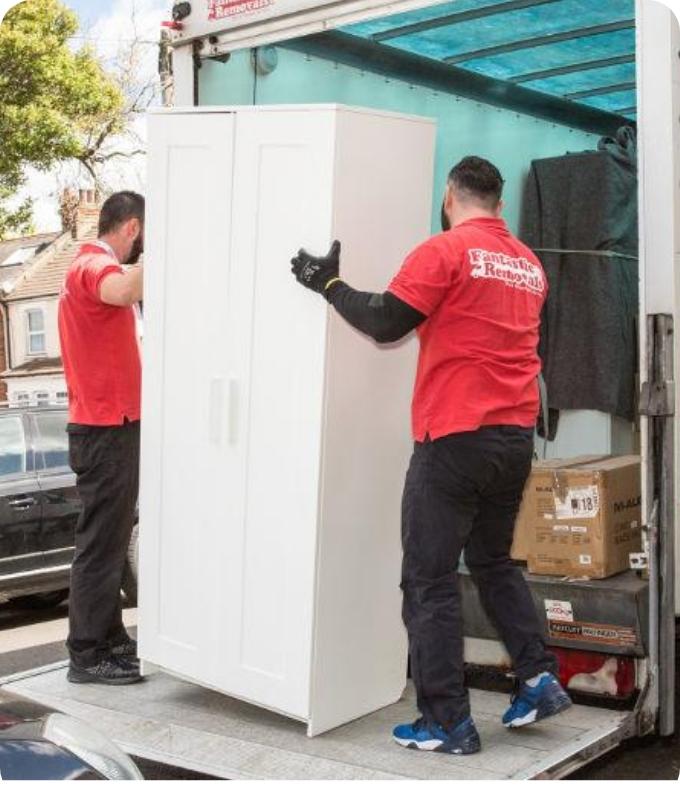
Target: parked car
[[38, 743], [39, 508]]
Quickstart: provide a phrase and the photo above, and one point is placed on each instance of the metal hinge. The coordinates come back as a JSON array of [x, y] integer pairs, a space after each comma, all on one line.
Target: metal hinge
[[657, 399]]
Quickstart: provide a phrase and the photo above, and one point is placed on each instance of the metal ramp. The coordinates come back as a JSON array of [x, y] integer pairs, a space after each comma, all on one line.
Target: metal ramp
[[170, 721]]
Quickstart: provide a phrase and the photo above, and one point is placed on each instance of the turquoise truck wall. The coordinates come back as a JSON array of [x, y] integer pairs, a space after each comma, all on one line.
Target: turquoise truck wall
[[464, 127]]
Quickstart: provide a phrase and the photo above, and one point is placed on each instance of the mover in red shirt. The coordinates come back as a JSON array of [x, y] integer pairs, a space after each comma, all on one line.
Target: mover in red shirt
[[101, 355], [474, 293]]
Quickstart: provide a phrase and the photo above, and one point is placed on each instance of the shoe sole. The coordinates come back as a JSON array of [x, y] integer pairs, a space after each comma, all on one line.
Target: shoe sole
[[435, 746], [549, 709], [79, 678]]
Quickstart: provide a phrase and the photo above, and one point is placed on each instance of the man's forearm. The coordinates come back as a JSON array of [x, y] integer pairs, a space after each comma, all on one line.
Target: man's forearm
[[383, 317], [137, 283], [123, 289]]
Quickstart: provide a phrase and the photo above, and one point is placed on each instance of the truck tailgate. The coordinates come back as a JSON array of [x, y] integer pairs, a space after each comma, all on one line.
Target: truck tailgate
[[173, 722]]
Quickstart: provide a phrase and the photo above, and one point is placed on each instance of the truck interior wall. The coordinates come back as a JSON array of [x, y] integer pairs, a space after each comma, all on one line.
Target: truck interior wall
[[464, 127]]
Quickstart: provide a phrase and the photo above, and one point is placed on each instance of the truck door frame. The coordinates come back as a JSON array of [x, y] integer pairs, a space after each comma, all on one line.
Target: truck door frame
[[658, 79], [657, 51]]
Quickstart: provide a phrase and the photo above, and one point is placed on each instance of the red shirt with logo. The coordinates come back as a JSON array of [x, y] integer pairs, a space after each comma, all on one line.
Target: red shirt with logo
[[482, 291], [99, 345]]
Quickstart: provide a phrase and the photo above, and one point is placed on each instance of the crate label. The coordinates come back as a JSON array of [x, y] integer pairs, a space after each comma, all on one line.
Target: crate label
[[579, 529], [559, 610], [593, 632], [579, 503], [585, 559]]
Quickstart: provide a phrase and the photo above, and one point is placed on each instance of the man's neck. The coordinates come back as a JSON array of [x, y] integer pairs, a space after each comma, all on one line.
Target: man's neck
[[110, 245], [475, 213]]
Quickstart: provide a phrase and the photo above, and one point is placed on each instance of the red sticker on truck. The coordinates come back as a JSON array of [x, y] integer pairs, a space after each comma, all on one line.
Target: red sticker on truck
[[221, 9], [592, 632]]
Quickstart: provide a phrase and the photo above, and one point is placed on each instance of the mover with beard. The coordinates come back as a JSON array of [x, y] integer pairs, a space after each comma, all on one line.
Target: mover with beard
[[475, 295], [102, 364]]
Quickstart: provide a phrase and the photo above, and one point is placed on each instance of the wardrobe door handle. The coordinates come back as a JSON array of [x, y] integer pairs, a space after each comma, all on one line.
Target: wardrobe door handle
[[223, 402]]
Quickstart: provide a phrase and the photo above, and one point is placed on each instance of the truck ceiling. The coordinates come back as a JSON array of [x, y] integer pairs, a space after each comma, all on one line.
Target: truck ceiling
[[578, 50], [578, 53]]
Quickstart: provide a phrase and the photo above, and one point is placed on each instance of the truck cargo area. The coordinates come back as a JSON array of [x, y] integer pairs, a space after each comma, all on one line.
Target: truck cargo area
[[170, 721], [517, 103]]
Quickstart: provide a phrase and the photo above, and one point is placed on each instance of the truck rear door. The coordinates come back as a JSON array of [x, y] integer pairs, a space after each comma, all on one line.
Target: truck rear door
[[659, 167]]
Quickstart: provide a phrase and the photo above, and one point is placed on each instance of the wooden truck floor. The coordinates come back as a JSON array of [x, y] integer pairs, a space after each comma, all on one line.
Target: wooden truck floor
[[173, 722]]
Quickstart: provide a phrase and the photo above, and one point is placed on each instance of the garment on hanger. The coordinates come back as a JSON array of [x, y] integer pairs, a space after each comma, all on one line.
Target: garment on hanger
[[580, 215]]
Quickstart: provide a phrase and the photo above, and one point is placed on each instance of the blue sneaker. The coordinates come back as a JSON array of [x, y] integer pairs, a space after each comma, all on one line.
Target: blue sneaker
[[462, 740], [537, 699]]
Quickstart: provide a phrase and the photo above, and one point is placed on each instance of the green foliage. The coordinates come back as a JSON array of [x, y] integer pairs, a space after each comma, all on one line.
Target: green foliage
[[54, 102]]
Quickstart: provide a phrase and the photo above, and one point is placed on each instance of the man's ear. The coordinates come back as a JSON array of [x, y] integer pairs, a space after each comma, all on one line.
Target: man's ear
[[446, 209], [133, 228], [501, 206]]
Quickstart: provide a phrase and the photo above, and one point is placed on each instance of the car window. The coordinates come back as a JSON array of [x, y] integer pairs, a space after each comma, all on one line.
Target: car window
[[12, 446], [52, 440]]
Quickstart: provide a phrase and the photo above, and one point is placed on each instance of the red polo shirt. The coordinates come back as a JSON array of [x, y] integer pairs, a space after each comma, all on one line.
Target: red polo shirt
[[482, 291], [99, 345]]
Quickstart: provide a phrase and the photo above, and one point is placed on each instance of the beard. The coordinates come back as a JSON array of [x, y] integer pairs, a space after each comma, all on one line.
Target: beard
[[446, 225], [136, 250]]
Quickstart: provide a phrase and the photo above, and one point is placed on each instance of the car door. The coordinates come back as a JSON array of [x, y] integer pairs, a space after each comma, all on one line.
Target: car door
[[20, 509], [57, 483]]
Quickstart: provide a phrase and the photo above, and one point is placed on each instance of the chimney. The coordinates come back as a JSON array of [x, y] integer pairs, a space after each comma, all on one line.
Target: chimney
[[87, 214], [79, 211]]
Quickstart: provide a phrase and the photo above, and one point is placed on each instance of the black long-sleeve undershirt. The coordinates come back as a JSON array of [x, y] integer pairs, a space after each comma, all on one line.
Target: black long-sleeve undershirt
[[383, 317]]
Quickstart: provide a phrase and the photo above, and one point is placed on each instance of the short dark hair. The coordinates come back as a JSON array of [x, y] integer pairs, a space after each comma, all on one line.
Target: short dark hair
[[479, 179], [119, 208]]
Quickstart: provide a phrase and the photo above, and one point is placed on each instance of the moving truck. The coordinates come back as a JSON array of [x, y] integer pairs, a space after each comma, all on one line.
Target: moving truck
[[514, 81]]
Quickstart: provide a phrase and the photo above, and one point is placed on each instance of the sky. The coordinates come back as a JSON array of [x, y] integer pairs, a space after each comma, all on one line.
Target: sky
[[107, 24]]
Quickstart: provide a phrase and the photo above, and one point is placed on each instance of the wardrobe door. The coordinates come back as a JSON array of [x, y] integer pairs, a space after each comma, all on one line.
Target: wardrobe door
[[282, 201], [188, 453]]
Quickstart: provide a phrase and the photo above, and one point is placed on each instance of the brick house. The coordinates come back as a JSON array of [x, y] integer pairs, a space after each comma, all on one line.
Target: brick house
[[16, 256], [33, 372]]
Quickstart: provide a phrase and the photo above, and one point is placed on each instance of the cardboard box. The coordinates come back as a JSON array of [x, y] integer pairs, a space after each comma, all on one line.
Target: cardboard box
[[584, 519], [542, 473]]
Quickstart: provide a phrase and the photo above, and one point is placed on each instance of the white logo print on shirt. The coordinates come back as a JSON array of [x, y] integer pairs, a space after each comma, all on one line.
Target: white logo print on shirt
[[519, 273]]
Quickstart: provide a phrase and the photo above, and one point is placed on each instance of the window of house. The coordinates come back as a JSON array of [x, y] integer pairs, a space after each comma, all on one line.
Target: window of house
[[36, 331], [12, 446], [19, 256], [22, 398]]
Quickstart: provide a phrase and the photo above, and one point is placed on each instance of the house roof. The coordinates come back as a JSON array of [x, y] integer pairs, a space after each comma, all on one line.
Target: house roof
[[10, 247], [18, 253], [45, 276], [36, 366]]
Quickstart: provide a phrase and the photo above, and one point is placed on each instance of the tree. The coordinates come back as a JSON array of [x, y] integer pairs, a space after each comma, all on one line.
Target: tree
[[55, 104]]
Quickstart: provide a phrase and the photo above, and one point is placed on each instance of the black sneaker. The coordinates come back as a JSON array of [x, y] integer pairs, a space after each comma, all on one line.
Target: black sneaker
[[111, 670], [127, 650]]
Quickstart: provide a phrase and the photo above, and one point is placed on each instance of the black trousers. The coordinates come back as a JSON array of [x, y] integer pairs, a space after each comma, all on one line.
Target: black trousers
[[462, 495], [106, 463]]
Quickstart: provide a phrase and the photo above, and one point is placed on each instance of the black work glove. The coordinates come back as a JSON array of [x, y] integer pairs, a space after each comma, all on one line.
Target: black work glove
[[315, 272]]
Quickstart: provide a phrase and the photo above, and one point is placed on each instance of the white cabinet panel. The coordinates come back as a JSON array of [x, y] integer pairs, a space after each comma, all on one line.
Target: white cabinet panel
[[185, 455], [284, 168], [276, 438]]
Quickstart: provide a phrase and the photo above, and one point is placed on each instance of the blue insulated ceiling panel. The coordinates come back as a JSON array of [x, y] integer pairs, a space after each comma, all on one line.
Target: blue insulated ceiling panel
[[580, 50]]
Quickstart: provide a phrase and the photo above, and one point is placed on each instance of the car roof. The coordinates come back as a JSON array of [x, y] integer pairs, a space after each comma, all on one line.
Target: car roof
[[33, 410]]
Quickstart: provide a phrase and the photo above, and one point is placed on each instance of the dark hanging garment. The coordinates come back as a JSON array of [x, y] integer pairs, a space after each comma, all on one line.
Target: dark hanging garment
[[583, 206]]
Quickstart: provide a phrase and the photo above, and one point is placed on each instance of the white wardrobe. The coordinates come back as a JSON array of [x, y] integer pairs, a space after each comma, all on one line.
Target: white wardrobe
[[275, 437]]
